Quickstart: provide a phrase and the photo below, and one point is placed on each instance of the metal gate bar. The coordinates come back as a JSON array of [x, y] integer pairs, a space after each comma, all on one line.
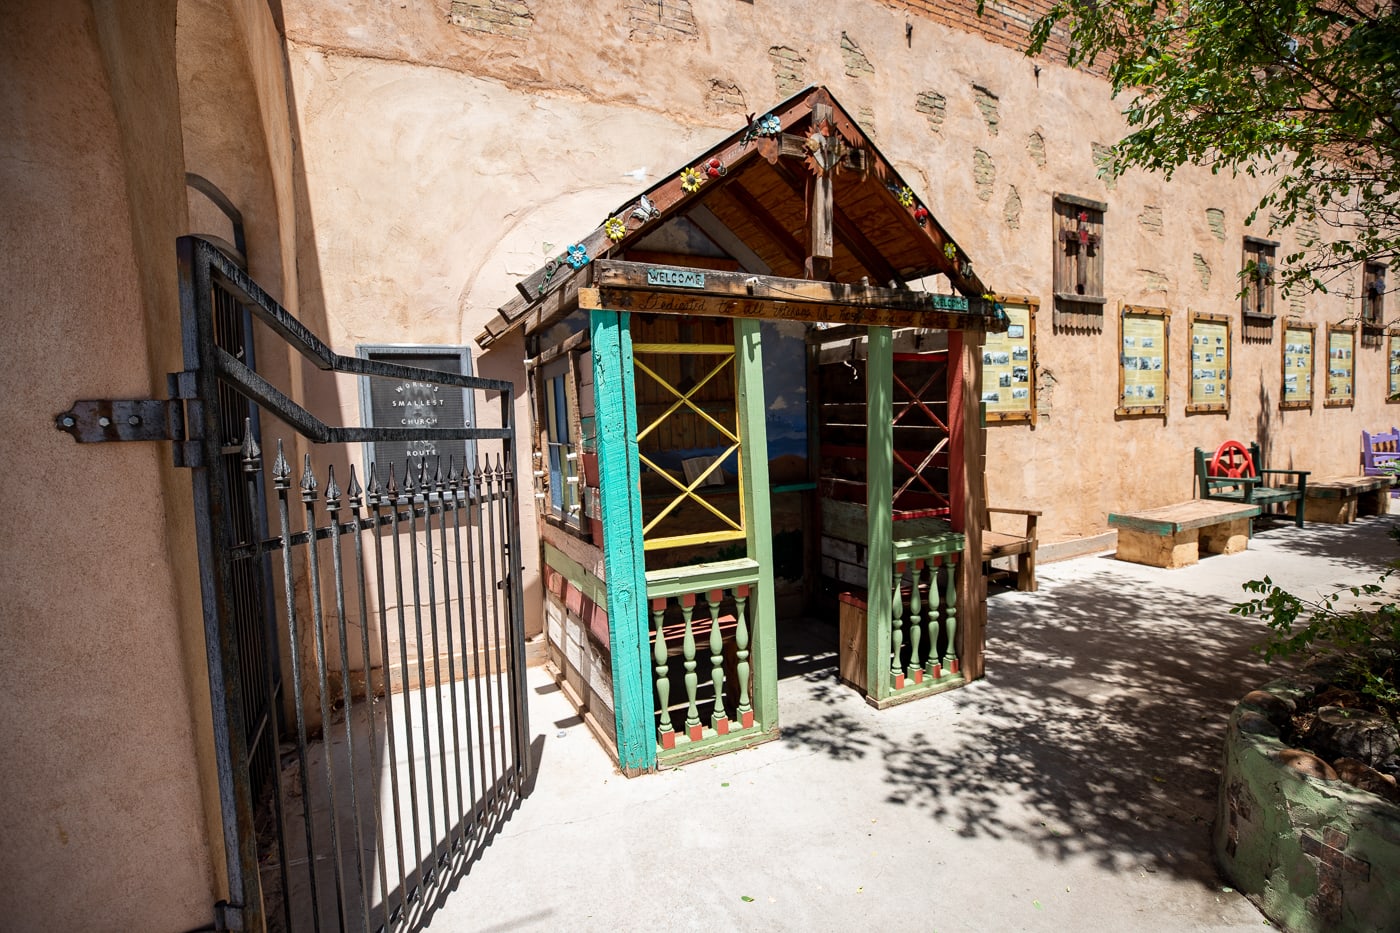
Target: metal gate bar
[[463, 593]]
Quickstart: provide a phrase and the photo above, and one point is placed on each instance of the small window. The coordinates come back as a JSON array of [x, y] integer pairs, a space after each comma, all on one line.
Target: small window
[[1373, 295], [561, 447], [1258, 270]]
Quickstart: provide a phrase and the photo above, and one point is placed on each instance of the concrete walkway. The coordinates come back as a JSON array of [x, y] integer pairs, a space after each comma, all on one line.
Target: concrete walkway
[[1073, 786]]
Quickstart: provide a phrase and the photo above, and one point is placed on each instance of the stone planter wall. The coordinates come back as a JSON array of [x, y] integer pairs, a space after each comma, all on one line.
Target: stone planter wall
[[1314, 853]]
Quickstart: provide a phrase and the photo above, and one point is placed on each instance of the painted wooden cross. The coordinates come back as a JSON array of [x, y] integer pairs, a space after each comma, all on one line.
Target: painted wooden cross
[[1080, 243], [821, 150]]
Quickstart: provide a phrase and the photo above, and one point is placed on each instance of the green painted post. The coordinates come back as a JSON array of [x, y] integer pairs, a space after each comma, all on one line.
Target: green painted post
[[758, 526], [618, 466], [665, 732], [879, 505], [935, 625], [692, 679], [896, 625], [741, 645], [915, 630], [719, 717], [952, 598]]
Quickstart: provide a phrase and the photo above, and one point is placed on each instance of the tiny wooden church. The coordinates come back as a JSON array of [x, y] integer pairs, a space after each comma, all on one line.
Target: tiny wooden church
[[755, 396]]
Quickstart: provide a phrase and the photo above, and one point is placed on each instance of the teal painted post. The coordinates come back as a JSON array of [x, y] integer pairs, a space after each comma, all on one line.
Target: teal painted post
[[758, 526], [879, 505], [620, 507]]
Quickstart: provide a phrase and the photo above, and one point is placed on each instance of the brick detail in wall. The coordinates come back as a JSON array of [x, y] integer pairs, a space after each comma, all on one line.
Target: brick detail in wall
[[1005, 22], [933, 106], [510, 18], [984, 174], [789, 70], [987, 105], [661, 19], [1215, 219], [856, 62], [1153, 281], [1151, 219], [1202, 269], [866, 118], [1103, 163], [1035, 146], [1011, 210], [725, 96]]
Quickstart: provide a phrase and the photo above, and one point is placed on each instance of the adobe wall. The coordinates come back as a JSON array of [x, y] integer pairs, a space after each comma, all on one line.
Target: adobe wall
[[103, 814], [112, 806], [452, 147]]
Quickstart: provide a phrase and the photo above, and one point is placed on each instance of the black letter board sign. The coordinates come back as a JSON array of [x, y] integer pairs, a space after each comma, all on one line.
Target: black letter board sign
[[409, 404]]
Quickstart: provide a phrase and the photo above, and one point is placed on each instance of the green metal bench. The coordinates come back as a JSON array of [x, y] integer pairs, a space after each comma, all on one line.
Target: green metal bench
[[1246, 480]]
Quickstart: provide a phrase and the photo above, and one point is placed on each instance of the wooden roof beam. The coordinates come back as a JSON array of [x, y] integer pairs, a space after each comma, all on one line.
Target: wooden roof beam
[[766, 222], [849, 235]]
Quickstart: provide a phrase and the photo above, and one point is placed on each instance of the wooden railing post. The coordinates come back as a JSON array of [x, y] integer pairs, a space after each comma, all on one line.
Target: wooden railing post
[[665, 732], [719, 717], [915, 670], [741, 646]]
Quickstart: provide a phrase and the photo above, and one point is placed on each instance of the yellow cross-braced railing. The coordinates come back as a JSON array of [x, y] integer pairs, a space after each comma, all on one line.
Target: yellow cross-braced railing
[[685, 400]]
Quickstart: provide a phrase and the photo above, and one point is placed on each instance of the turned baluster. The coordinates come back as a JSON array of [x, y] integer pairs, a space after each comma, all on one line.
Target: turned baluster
[[741, 645], [719, 719], [935, 599], [952, 602], [666, 735], [915, 670], [897, 628], [692, 680]]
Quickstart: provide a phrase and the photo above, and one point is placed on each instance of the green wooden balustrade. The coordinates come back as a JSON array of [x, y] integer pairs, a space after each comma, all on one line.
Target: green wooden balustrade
[[702, 608], [923, 628]]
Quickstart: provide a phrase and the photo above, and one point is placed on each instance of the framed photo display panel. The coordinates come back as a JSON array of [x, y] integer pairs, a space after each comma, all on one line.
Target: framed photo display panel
[[1210, 363], [1392, 366], [1297, 366], [1143, 371], [1341, 367], [1008, 364]]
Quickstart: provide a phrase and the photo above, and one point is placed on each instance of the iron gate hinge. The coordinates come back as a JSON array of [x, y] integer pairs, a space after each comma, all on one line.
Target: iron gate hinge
[[95, 421], [98, 421]]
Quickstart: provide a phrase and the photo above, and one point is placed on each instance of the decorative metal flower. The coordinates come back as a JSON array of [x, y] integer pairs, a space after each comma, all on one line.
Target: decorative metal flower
[[577, 255], [614, 228], [906, 196], [691, 180], [950, 251], [769, 125]]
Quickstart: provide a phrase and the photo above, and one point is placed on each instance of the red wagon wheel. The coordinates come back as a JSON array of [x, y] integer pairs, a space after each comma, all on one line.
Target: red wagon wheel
[[1232, 460]]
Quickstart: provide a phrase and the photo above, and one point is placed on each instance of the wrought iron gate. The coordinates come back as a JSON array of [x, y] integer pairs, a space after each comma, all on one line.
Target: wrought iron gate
[[387, 688]]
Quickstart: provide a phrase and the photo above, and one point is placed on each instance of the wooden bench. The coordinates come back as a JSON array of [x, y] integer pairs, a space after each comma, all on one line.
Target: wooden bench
[[1172, 536], [1340, 499], [1380, 453], [997, 544], [1250, 488]]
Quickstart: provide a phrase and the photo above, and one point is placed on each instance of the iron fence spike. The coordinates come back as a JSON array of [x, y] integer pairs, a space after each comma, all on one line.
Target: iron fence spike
[[408, 478], [252, 453], [332, 489], [281, 469], [353, 491], [437, 473], [453, 477], [375, 491], [308, 481], [392, 489]]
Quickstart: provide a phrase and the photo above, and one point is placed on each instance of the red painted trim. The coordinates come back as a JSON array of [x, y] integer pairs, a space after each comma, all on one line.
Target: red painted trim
[[957, 459]]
